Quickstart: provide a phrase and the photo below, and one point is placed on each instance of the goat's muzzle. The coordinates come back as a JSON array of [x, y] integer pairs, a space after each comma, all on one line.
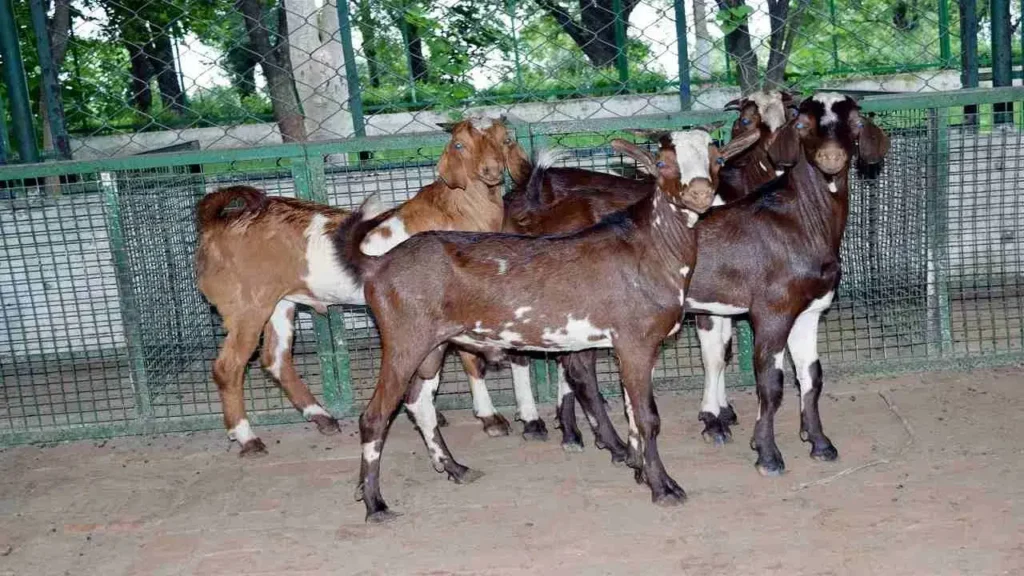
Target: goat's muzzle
[[699, 195], [831, 158]]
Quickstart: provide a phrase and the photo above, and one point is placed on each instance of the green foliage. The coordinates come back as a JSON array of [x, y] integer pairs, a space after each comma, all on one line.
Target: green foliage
[[732, 18]]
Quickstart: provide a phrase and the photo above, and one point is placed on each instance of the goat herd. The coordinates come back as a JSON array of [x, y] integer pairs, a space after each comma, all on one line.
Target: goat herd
[[569, 261]]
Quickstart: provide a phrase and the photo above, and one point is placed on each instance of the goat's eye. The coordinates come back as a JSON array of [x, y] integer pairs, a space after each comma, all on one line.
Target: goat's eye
[[508, 140], [720, 161], [860, 123], [745, 121], [660, 163], [800, 125], [459, 146], [793, 112]]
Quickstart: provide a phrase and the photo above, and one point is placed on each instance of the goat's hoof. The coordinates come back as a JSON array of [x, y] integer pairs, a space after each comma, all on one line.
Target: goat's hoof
[[716, 430], [825, 453], [672, 496], [639, 476], [381, 516], [496, 425], [535, 430], [727, 416], [572, 446], [462, 475], [441, 420], [326, 425], [619, 457], [253, 448], [770, 466]]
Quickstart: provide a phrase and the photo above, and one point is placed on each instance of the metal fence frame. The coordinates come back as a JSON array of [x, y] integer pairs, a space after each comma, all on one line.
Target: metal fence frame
[[307, 169]]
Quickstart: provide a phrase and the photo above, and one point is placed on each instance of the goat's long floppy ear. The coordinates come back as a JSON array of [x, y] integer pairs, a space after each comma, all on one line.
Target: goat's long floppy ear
[[452, 170], [641, 155], [873, 142], [740, 143], [784, 149], [447, 126]]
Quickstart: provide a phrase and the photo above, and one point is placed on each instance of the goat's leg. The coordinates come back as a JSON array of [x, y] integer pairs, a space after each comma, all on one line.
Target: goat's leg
[[803, 347], [494, 423], [565, 415], [229, 374], [419, 403], [581, 375], [533, 426], [726, 413], [711, 331], [397, 369], [645, 425], [770, 331], [277, 360]]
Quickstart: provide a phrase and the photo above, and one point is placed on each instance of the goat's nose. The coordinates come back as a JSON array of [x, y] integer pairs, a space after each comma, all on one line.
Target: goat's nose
[[831, 158], [699, 195]]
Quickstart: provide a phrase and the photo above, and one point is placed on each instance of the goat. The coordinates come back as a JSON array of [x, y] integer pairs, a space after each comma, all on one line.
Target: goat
[[765, 112], [495, 292], [259, 256]]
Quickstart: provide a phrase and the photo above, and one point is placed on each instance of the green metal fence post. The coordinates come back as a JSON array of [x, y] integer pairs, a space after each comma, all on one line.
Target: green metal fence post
[[17, 84], [620, 43], [944, 43], [4, 143], [745, 345], [331, 346], [684, 56], [355, 95], [940, 330], [1002, 58], [539, 375], [130, 317], [51, 86], [969, 54]]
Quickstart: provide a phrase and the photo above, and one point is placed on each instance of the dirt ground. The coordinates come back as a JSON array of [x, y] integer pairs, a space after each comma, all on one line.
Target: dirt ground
[[930, 481]]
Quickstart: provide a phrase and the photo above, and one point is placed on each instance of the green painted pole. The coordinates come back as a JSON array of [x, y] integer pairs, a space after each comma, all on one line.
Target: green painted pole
[[1002, 58], [945, 51], [17, 85], [684, 55], [49, 80], [620, 43], [745, 344], [355, 94], [4, 144], [969, 55]]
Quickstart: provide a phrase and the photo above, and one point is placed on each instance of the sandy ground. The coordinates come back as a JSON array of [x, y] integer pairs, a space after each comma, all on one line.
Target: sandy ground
[[930, 481]]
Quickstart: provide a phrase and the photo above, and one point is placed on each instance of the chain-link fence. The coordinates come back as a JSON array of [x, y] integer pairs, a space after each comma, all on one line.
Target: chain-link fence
[[117, 77], [103, 330]]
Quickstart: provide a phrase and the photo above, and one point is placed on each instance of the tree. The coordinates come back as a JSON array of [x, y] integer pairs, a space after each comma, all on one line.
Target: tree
[[702, 54], [594, 32], [785, 25], [276, 66]]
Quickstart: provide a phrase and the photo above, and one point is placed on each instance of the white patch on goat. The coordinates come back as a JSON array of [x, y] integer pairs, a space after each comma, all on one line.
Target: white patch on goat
[[803, 343], [634, 432], [481, 122], [769, 105], [712, 352], [326, 279], [684, 271], [524, 393], [547, 157], [779, 361], [691, 218], [762, 166], [502, 266], [779, 173], [370, 452], [832, 187], [682, 298], [314, 410], [509, 337], [375, 242], [282, 326], [829, 99], [482, 406], [372, 207], [675, 329], [577, 335], [242, 432], [521, 311], [479, 328], [692, 154], [716, 308], [563, 386], [425, 415], [717, 201]]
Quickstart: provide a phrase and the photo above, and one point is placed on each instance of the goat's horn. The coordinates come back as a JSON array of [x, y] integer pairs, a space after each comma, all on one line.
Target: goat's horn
[[447, 126], [712, 126]]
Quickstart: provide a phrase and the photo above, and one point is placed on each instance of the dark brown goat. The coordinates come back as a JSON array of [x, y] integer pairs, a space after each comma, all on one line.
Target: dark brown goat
[[494, 292], [765, 112]]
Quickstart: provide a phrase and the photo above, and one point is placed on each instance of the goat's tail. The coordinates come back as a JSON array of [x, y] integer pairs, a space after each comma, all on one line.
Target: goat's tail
[[349, 235], [227, 204], [543, 159]]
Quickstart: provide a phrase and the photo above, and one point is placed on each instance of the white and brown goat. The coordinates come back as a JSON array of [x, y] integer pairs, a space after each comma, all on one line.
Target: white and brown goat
[[497, 292], [259, 256]]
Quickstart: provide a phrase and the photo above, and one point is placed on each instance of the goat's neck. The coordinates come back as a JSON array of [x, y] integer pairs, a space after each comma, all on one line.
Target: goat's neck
[[823, 202], [478, 207], [667, 237]]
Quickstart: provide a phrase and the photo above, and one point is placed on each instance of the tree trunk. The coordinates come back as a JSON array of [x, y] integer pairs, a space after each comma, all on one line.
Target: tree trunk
[[702, 52], [142, 73], [420, 70], [59, 30], [315, 49], [275, 64], [367, 29], [161, 58], [782, 42], [595, 32], [737, 43]]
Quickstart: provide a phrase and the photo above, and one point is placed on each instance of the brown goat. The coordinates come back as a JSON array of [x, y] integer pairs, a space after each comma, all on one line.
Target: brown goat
[[494, 292], [259, 256]]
